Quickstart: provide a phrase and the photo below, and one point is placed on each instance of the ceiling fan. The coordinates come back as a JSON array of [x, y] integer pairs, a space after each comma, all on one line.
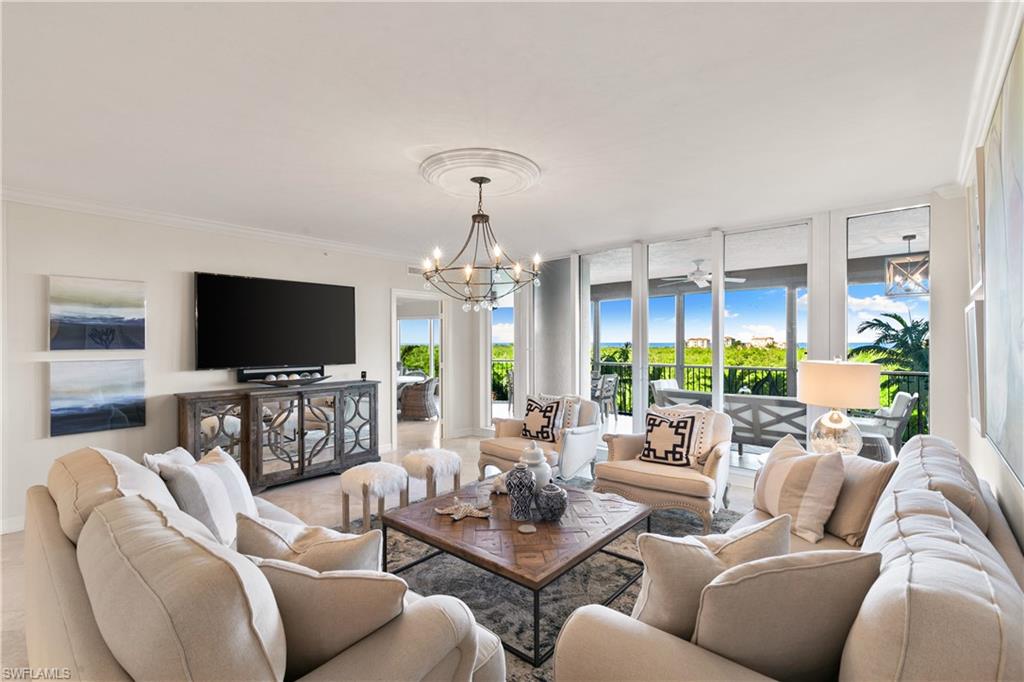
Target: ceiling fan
[[699, 276]]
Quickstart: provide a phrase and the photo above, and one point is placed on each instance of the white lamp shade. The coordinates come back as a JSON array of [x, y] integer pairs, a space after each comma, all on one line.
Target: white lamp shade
[[838, 384]]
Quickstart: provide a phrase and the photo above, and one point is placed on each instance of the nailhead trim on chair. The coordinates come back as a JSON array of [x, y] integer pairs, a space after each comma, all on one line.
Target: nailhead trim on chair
[[704, 514]]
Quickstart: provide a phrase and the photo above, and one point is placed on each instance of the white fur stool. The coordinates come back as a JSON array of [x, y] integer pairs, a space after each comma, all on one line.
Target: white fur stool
[[373, 478], [432, 464]]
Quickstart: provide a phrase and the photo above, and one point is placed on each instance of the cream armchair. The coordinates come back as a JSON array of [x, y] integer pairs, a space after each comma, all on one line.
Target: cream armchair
[[702, 490], [575, 448]]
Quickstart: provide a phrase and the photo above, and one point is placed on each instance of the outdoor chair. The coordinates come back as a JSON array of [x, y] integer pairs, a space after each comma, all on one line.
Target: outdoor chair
[[890, 422], [609, 388]]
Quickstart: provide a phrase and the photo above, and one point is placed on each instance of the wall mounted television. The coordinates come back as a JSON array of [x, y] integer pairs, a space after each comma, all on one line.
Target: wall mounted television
[[253, 322]]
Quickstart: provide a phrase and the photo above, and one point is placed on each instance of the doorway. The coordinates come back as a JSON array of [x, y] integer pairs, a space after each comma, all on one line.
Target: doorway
[[417, 343]]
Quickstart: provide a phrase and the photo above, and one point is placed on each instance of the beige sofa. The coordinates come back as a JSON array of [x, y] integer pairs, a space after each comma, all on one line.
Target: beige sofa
[[947, 604], [431, 638]]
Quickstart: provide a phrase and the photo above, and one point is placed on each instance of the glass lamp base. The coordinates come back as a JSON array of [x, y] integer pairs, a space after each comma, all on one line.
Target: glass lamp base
[[834, 432]]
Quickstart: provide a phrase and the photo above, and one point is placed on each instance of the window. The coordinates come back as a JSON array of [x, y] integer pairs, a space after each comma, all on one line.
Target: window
[[887, 317], [419, 345], [679, 321], [503, 358]]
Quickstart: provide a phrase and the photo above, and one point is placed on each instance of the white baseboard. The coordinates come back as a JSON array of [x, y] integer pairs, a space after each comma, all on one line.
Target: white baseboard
[[470, 432], [12, 524]]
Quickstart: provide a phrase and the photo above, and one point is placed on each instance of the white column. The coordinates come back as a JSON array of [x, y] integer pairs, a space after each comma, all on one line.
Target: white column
[[575, 298], [717, 319], [640, 359]]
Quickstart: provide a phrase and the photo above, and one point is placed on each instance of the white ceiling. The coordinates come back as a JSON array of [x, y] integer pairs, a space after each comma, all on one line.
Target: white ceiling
[[647, 120]]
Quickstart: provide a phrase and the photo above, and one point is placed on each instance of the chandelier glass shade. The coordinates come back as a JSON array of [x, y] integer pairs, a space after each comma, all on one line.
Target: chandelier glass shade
[[481, 272], [907, 275]]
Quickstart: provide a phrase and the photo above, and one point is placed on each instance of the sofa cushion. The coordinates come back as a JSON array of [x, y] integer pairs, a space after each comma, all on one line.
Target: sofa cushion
[[174, 604], [212, 490], [635, 472], [863, 482], [326, 613], [84, 479], [315, 547], [796, 543], [945, 605], [178, 455], [786, 617], [934, 463], [677, 569], [511, 448], [801, 484]]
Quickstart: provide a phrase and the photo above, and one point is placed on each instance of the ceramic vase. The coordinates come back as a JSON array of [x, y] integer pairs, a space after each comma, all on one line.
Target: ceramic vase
[[533, 458], [551, 502], [520, 484]]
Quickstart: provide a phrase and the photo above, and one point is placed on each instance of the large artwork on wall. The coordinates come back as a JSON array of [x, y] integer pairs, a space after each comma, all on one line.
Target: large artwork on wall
[[96, 314], [96, 395], [1004, 269]]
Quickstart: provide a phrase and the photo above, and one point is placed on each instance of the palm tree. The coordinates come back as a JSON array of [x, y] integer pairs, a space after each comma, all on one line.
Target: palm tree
[[899, 343]]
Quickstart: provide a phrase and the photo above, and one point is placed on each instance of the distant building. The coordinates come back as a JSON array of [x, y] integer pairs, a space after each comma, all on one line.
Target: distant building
[[731, 341], [698, 342], [763, 341]]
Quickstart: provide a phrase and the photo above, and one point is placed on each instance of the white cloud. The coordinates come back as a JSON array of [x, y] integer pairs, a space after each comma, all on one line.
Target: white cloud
[[503, 333], [877, 304], [729, 313], [749, 331]]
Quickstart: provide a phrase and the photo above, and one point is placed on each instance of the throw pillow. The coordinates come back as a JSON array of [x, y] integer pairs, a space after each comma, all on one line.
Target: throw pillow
[[703, 422], [541, 420], [316, 547], [677, 569], [171, 602], [670, 440], [178, 455], [326, 613], [863, 482], [803, 485], [786, 617], [86, 478], [213, 490], [568, 409]]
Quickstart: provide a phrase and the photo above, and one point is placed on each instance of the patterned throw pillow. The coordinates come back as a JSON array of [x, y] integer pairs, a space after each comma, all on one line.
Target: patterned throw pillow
[[568, 408], [541, 421], [670, 440]]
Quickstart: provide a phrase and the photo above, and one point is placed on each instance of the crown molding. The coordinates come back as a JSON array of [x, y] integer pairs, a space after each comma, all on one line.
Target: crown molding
[[142, 215], [1002, 28]]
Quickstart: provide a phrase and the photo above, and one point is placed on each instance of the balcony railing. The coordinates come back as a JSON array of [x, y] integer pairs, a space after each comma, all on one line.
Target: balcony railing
[[765, 381]]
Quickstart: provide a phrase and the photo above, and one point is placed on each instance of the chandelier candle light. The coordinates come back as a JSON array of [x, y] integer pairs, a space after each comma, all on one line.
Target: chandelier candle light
[[481, 272]]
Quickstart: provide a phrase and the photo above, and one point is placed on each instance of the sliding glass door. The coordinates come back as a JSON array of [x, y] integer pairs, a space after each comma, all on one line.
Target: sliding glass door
[[502, 358]]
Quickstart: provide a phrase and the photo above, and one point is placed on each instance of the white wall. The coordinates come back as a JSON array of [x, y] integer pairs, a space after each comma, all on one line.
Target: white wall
[[44, 241]]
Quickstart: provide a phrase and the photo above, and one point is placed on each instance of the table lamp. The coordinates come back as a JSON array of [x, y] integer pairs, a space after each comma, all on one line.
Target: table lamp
[[837, 385]]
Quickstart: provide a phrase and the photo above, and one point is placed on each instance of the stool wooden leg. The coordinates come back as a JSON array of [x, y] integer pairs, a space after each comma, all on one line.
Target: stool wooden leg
[[346, 523], [380, 510], [457, 482], [403, 497], [431, 483], [366, 507]]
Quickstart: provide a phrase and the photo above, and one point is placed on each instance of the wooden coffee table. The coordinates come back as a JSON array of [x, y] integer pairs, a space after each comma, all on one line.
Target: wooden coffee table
[[591, 521]]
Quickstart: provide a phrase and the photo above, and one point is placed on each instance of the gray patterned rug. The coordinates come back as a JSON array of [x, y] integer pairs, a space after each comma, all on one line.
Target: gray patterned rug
[[507, 609]]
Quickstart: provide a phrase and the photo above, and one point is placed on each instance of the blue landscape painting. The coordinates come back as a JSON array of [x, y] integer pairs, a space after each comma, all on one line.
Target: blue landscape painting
[[96, 314], [96, 395]]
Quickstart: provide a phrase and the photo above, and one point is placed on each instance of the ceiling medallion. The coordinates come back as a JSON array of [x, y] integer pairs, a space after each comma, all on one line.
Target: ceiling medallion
[[481, 272], [508, 172]]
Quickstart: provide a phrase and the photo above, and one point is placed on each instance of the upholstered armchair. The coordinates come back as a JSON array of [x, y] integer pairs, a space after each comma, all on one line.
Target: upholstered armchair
[[575, 448], [700, 489]]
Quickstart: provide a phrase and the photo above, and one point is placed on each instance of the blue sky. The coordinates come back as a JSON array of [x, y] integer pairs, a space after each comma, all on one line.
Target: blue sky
[[412, 332], [749, 313]]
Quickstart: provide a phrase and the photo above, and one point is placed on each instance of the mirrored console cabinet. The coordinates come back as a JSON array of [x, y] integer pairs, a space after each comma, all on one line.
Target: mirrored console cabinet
[[280, 435]]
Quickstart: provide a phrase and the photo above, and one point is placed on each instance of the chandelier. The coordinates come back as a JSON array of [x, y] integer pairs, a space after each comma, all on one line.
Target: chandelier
[[907, 275], [481, 272]]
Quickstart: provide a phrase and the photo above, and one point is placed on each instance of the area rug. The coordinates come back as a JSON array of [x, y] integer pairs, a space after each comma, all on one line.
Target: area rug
[[507, 609]]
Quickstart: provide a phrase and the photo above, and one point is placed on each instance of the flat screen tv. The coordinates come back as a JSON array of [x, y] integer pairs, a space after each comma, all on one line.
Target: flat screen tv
[[253, 322]]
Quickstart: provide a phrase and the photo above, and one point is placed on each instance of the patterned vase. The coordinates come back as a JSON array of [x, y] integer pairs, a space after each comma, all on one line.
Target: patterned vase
[[551, 502], [520, 484]]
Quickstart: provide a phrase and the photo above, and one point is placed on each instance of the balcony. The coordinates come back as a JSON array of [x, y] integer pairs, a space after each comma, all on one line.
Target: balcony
[[767, 381]]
